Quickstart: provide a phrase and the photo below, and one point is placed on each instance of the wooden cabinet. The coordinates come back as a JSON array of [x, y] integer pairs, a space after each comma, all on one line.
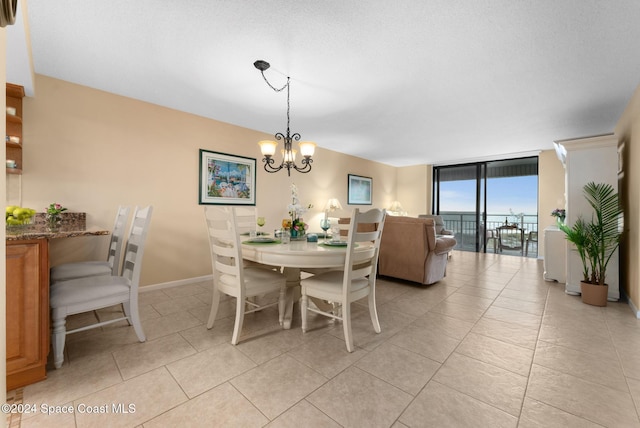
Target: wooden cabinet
[[15, 94], [27, 271]]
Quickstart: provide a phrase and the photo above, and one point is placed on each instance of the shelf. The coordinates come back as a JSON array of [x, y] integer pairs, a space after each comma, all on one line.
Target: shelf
[[14, 118], [14, 95]]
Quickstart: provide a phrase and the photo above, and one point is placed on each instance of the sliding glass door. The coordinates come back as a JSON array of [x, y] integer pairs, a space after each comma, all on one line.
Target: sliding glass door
[[459, 198], [475, 199]]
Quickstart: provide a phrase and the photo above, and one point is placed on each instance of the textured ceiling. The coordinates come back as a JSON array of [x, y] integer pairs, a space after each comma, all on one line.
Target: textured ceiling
[[399, 82]]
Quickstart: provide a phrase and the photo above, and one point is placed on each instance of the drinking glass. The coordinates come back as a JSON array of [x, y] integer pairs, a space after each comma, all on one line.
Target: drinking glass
[[325, 224], [260, 221], [335, 233]]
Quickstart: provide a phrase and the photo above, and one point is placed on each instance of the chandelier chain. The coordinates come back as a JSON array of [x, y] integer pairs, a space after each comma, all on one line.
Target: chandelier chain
[[286, 85]]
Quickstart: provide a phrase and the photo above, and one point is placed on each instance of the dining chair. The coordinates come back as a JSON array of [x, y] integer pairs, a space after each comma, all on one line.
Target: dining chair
[[531, 237], [358, 278], [491, 237], [87, 294], [111, 266], [232, 277]]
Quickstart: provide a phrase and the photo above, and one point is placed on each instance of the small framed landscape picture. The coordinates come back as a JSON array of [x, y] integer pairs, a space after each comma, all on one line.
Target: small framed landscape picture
[[359, 190], [226, 179]]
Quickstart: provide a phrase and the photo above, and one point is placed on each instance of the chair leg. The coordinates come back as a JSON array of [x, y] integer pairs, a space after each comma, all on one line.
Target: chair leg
[[131, 308], [373, 312], [346, 325], [58, 336], [303, 310], [237, 328], [127, 312], [215, 304]]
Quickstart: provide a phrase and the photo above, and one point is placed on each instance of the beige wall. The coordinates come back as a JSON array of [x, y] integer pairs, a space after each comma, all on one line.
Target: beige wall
[[92, 150], [551, 184], [414, 189], [628, 131]]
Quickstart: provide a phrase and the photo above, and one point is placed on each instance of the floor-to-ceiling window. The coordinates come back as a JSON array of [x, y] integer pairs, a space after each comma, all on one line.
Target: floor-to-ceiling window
[[476, 199]]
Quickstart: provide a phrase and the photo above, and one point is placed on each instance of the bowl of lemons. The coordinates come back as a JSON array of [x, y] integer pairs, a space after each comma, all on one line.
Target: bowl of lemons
[[18, 216]]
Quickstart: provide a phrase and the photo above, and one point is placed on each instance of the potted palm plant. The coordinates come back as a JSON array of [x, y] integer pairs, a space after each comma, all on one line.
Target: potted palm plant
[[596, 240]]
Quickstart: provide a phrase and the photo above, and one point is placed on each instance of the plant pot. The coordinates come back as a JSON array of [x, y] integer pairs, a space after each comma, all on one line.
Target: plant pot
[[593, 294]]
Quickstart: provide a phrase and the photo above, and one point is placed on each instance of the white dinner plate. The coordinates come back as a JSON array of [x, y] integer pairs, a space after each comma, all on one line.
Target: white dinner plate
[[262, 240]]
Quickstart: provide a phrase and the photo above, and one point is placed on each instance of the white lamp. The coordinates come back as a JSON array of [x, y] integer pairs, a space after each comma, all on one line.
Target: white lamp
[[396, 209], [332, 205]]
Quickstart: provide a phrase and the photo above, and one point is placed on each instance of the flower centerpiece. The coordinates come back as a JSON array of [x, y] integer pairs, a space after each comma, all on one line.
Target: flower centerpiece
[[298, 226], [53, 215], [559, 214]]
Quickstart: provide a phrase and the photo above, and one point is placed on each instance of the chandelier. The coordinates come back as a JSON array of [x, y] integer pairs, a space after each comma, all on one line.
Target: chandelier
[[268, 147]]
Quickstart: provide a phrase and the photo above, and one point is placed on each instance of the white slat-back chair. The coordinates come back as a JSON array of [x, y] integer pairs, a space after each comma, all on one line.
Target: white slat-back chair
[[356, 281], [231, 277], [111, 266], [91, 293]]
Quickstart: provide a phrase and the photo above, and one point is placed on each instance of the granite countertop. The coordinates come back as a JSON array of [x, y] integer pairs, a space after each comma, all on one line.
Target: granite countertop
[[72, 224]]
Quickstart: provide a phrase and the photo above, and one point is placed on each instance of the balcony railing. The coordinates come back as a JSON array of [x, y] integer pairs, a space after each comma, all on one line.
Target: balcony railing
[[463, 225]]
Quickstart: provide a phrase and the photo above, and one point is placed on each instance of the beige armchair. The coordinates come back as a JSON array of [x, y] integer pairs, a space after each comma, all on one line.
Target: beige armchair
[[410, 250]]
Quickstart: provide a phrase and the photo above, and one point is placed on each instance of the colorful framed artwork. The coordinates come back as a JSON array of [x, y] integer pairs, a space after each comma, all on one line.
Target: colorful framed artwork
[[359, 190], [226, 179]]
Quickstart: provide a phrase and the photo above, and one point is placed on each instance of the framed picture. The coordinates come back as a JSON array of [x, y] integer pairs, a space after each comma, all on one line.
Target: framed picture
[[359, 190], [226, 179]]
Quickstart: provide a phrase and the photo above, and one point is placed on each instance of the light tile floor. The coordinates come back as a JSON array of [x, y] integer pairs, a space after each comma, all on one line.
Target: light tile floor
[[492, 345]]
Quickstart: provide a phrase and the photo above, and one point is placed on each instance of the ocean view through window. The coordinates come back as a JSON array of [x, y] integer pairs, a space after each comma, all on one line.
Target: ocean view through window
[[475, 199]]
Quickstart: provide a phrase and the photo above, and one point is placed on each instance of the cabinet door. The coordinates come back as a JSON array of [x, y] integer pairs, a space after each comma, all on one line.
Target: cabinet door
[[27, 311]]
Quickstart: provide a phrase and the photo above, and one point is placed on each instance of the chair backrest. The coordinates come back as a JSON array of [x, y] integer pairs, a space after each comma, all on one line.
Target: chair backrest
[[226, 251], [117, 239], [246, 218], [439, 221], [134, 250], [364, 229], [345, 222]]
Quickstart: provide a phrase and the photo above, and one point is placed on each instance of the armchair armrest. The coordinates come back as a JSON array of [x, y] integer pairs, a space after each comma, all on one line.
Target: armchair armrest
[[444, 244]]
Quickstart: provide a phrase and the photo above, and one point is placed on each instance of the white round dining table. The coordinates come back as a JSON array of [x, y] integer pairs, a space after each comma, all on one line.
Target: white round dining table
[[295, 257]]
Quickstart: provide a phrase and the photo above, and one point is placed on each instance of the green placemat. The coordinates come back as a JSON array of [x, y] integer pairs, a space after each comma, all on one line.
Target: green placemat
[[277, 241]]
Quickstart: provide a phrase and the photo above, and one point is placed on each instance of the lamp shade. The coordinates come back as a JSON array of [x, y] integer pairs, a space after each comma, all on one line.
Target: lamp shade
[[307, 148], [289, 155], [268, 148], [396, 206], [333, 204]]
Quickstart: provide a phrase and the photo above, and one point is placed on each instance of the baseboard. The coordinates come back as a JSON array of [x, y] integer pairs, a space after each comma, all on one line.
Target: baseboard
[[177, 283], [631, 305]]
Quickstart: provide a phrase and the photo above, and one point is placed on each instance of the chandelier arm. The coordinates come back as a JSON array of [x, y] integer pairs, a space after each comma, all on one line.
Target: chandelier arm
[[307, 165], [268, 165]]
